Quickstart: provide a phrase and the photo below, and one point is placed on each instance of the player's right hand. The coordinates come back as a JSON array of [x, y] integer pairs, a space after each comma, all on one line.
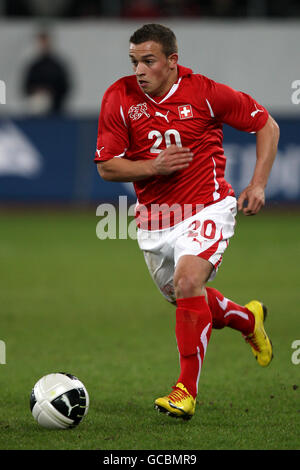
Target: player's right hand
[[254, 196], [172, 159]]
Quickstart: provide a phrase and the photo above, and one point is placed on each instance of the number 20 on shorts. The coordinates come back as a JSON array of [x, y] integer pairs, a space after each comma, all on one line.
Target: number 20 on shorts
[[208, 229]]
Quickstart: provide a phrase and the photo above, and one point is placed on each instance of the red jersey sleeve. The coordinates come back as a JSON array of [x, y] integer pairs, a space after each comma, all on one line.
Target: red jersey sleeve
[[235, 108], [112, 138]]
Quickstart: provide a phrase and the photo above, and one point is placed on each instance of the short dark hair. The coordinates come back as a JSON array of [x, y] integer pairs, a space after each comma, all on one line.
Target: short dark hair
[[157, 33]]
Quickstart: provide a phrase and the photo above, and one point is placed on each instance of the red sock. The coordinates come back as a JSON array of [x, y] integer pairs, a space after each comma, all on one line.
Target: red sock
[[227, 313], [193, 329]]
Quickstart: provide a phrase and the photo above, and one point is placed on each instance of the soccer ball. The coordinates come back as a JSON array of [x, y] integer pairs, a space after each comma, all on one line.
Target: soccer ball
[[59, 401]]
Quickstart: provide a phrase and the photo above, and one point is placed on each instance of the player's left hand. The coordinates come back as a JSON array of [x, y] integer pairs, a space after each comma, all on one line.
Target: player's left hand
[[255, 197]]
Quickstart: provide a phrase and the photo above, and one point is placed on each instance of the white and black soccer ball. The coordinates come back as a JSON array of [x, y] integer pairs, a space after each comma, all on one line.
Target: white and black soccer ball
[[59, 401]]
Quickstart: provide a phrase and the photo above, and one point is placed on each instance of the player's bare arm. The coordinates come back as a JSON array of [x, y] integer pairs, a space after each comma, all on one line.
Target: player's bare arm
[[168, 161], [266, 149]]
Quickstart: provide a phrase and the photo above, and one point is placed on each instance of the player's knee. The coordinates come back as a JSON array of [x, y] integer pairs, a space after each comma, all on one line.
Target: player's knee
[[188, 285]]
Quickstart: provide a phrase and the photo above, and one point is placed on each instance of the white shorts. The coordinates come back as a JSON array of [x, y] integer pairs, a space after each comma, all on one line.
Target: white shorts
[[205, 234]]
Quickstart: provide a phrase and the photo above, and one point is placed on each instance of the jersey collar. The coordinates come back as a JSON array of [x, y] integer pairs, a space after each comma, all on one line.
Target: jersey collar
[[183, 71]]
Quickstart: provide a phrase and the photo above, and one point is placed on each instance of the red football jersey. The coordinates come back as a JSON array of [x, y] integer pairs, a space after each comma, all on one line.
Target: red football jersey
[[135, 126]]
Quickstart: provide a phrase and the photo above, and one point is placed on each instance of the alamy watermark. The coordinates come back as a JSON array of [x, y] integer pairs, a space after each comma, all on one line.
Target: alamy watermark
[[296, 94], [296, 354], [115, 220], [2, 92], [2, 352]]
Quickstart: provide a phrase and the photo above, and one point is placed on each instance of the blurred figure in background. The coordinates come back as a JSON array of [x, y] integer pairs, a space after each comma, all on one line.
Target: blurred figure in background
[[36, 8], [46, 81]]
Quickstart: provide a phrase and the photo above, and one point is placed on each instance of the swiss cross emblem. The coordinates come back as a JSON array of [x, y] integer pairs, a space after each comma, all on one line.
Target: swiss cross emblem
[[185, 111]]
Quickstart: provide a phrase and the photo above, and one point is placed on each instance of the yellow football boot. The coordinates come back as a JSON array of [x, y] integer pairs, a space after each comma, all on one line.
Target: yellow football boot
[[179, 404], [260, 343]]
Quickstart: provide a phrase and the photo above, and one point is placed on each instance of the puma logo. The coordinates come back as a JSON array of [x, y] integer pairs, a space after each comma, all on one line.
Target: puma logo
[[165, 116], [256, 111], [98, 151], [66, 400]]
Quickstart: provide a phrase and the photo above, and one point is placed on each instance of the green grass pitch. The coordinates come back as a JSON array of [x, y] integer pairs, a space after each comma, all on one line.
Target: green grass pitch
[[72, 303]]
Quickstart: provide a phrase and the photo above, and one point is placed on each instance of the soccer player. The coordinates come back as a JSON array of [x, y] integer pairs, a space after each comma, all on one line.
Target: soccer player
[[161, 129]]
